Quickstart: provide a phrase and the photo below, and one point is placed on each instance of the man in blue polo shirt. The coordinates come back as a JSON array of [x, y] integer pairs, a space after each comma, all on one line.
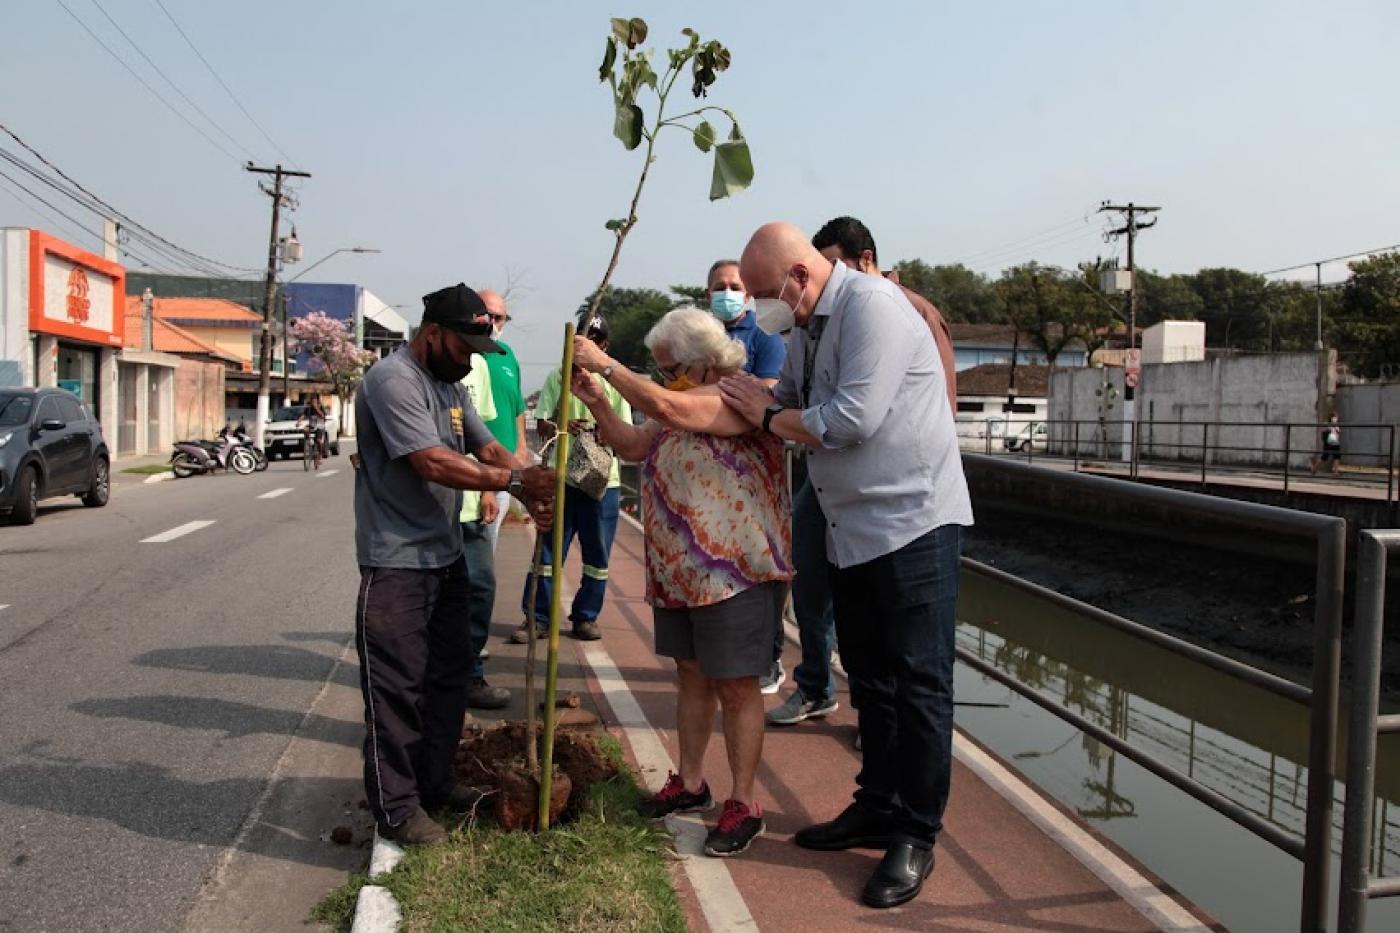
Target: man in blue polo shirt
[[729, 301]]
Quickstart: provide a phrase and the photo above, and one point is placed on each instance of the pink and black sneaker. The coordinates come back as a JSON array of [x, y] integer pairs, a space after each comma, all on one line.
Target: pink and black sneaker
[[674, 798], [738, 827]]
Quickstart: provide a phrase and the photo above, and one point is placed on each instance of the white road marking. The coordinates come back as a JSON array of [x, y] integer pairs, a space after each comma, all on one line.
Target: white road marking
[[4, 605], [720, 900], [276, 492], [177, 532], [324, 473]]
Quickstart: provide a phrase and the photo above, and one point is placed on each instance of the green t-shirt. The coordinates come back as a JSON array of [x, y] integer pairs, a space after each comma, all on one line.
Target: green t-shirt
[[548, 402], [510, 401]]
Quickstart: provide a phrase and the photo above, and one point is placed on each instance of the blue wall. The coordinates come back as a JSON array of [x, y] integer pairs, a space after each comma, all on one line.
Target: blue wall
[[336, 300], [968, 357]]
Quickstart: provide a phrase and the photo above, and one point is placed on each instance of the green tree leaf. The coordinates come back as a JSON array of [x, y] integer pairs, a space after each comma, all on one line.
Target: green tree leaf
[[733, 169], [615, 224], [704, 136], [609, 58], [627, 125], [631, 32], [621, 28]]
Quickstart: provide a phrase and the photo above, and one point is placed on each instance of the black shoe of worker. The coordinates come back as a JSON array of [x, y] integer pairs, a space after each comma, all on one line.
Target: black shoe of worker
[[418, 830], [463, 798], [858, 827], [899, 877], [587, 630], [482, 695]]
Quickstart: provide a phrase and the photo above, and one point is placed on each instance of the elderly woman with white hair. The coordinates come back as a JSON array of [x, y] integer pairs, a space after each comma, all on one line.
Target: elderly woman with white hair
[[718, 550]]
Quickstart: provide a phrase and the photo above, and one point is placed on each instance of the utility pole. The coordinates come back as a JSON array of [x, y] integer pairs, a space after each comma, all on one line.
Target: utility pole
[[269, 292], [1130, 229]]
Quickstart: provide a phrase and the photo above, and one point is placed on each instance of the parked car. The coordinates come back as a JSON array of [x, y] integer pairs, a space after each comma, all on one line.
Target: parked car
[[1032, 438], [50, 445], [284, 437]]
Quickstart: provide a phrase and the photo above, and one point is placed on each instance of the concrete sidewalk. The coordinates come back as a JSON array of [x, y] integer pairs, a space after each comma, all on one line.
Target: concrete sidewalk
[[1008, 858]]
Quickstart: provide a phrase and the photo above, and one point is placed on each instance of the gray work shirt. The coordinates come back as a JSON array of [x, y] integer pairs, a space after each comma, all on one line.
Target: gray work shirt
[[402, 520], [888, 470]]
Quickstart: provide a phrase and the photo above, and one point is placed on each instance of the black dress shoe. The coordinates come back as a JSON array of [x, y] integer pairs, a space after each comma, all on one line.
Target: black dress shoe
[[858, 827], [900, 876]]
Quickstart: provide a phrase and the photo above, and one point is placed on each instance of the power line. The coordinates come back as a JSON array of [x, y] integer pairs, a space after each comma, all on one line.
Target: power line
[[144, 83], [228, 90], [56, 209], [1013, 243], [1305, 265], [87, 204], [1013, 256], [158, 70], [130, 223]]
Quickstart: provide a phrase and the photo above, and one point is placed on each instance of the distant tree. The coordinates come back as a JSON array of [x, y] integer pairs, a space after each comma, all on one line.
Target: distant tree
[[1166, 298], [1240, 311], [630, 313], [962, 295], [333, 353], [697, 295], [1051, 308], [1366, 330]]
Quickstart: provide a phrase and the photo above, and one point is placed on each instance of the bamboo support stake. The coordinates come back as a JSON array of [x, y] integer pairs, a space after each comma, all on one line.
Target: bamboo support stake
[[551, 676]]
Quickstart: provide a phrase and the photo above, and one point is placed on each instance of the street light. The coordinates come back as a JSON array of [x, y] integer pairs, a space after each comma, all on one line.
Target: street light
[[286, 313]]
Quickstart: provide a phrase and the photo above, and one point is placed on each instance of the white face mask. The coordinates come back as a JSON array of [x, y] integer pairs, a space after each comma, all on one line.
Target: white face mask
[[496, 332], [773, 315]]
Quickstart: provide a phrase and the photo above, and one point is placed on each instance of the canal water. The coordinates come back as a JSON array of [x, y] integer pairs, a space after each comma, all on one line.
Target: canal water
[[1241, 741]]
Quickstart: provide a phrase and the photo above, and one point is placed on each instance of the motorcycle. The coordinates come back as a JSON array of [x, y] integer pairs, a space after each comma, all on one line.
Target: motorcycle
[[197, 456], [240, 434]]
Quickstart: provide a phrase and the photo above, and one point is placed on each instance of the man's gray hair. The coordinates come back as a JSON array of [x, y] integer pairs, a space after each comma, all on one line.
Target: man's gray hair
[[696, 338]]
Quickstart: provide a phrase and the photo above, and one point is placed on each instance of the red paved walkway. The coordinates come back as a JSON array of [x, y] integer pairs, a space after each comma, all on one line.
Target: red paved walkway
[[996, 870]]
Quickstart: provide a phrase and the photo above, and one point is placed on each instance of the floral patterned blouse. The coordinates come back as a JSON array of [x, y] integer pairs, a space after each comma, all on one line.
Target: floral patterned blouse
[[718, 516]]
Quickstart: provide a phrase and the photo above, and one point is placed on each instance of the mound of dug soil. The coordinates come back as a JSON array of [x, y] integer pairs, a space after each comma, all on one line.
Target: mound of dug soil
[[494, 760]]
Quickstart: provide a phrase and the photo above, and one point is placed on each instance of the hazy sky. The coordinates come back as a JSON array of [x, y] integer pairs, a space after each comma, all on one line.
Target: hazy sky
[[462, 138]]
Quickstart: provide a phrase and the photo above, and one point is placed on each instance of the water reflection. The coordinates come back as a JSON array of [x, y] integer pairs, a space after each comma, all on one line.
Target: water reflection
[[1243, 742]]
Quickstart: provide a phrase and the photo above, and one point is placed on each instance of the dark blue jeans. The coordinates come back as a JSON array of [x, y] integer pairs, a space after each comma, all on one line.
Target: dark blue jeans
[[895, 617], [811, 597], [481, 588], [595, 523]]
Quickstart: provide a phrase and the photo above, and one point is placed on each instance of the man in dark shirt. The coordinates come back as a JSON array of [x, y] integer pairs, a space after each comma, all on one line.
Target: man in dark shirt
[[415, 426]]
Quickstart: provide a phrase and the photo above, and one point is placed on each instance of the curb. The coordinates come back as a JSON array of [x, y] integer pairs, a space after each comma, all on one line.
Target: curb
[[376, 910], [157, 478]]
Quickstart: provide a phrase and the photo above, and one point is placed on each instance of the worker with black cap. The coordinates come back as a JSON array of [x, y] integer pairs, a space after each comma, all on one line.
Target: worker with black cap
[[415, 426]]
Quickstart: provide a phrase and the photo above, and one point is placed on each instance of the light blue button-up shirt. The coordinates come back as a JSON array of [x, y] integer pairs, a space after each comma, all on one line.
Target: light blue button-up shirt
[[888, 470]]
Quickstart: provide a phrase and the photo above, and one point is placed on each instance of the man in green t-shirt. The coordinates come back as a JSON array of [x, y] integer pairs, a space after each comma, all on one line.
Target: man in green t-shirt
[[508, 424], [593, 520]]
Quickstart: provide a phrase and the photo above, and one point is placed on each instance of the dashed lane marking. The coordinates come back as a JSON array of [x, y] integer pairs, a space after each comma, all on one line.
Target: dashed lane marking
[[324, 473], [177, 532], [276, 492]]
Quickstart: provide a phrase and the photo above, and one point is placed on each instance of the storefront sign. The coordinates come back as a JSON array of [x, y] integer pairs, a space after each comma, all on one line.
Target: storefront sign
[[74, 293]]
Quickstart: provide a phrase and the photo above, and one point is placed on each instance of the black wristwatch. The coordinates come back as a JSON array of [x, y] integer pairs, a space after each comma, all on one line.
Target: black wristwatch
[[769, 413], [517, 485]]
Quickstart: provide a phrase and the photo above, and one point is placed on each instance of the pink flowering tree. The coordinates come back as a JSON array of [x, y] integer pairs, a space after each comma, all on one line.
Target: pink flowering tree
[[334, 355]]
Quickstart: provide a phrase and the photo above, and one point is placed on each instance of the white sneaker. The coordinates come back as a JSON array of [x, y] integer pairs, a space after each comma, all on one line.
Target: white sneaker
[[769, 683], [798, 707]]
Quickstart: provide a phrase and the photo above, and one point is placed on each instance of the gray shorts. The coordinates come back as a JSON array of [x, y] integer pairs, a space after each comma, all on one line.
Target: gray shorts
[[732, 638]]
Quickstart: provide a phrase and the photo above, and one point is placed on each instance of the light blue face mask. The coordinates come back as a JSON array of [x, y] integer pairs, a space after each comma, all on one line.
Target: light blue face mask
[[727, 305]]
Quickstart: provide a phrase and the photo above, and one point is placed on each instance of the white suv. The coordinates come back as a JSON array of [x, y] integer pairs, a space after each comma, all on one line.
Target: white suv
[[284, 437]]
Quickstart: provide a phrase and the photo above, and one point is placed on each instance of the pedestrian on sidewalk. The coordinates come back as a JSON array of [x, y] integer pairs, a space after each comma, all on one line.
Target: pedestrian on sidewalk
[[507, 425], [731, 305], [415, 427], [863, 388], [845, 240], [1331, 447], [718, 559], [593, 520]]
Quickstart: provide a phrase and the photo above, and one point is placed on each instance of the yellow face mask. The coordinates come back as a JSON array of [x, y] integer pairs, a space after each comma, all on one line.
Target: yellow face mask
[[682, 383]]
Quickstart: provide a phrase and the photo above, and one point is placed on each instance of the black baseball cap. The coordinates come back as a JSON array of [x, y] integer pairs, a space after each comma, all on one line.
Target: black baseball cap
[[459, 308]]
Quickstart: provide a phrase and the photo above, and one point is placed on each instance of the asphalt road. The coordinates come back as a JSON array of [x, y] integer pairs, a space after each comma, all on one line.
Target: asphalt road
[[149, 690]]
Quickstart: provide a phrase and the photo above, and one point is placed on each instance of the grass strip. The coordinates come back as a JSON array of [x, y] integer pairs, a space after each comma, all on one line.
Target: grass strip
[[149, 469], [609, 870]]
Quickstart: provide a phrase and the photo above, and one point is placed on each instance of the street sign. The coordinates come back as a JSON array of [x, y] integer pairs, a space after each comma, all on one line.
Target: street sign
[[1132, 365]]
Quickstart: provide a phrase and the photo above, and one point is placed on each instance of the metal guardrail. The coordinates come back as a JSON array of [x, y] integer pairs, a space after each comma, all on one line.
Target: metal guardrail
[[1285, 450], [1357, 885], [1327, 535]]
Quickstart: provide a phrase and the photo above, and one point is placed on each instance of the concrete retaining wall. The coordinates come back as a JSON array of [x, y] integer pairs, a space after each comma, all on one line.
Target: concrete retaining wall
[[1368, 404]]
